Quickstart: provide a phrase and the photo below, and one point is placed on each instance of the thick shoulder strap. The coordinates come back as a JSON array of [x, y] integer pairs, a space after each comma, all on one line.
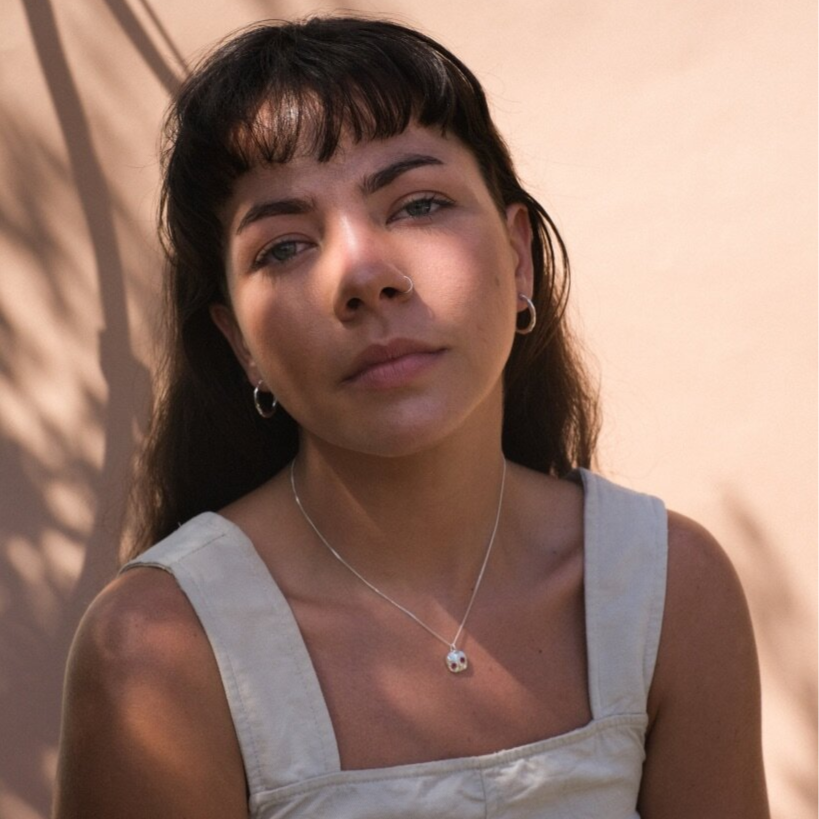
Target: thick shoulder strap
[[626, 551], [278, 711]]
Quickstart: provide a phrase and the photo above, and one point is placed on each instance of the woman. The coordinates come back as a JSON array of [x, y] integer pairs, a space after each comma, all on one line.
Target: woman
[[393, 596]]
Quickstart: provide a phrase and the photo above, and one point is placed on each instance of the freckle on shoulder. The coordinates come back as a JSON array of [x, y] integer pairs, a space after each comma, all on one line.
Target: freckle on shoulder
[[703, 585], [694, 550], [140, 620]]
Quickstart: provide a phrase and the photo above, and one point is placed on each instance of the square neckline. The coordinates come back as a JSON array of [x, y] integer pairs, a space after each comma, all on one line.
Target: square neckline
[[318, 701]]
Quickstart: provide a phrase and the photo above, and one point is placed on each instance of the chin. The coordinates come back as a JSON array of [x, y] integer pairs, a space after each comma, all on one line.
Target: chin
[[394, 443], [405, 428], [399, 437], [391, 434]]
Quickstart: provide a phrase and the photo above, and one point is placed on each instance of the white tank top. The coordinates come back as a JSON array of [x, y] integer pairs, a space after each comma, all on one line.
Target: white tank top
[[289, 749]]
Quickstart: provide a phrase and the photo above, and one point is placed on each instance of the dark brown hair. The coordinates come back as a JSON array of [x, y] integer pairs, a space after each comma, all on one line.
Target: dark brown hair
[[206, 445]]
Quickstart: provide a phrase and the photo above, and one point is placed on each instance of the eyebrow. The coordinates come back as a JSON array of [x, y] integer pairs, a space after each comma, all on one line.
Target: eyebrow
[[274, 207], [371, 183], [385, 176]]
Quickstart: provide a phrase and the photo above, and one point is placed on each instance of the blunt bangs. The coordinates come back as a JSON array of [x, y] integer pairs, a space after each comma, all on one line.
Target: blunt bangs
[[310, 102], [274, 91]]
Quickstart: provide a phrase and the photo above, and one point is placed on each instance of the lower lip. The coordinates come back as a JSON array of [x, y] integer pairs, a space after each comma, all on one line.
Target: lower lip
[[398, 372]]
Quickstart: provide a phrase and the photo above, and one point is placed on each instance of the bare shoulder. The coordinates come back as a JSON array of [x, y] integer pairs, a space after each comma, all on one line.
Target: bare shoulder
[[706, 617], [140, 619], [703, 749], [706, 627], [145, 721], [703, 589], [140, 631]]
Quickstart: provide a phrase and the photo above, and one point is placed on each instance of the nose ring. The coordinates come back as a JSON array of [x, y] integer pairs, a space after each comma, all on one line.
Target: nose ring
[[410, 287]]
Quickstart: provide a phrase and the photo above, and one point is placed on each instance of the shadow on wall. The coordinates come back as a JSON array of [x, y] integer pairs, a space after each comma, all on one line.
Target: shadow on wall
[[780, 614], [53, 561], [51, 468]]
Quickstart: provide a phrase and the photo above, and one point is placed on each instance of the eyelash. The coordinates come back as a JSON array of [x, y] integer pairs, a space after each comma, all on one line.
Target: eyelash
[[426, 198], [266, 256]]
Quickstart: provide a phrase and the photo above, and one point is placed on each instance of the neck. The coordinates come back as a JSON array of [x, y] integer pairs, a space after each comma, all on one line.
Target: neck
[[420, 519]]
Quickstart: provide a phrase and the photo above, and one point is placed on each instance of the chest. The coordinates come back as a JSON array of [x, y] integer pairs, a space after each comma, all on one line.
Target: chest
[[392, 700]]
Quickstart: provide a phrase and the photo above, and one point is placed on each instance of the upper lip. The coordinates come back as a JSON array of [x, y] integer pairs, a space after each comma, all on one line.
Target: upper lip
[[380, 353]]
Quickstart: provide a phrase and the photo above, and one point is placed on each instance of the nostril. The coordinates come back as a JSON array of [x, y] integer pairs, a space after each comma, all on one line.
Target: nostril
[[390, 292], [354, 303]]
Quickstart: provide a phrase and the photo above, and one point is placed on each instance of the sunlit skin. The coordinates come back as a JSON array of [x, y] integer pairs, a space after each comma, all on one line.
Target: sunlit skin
[[312, 290], [400, 465]]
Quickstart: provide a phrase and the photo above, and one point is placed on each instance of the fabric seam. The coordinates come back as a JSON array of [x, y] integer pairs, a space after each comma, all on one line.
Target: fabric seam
[[246, 726], [478, 764]]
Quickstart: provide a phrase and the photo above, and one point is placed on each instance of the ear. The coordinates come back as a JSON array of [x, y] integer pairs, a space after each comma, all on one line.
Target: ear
[[222, 316], [520, 237]]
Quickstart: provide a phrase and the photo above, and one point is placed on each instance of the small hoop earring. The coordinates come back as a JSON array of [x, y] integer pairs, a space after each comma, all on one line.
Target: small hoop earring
[[271, 410], [410, 286], [530, 306]]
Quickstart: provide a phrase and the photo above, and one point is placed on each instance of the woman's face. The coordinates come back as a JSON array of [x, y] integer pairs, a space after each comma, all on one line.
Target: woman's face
[[319, 256]]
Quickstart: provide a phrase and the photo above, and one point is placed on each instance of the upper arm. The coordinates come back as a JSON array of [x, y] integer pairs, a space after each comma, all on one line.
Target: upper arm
[[703, 749], [146, 726]]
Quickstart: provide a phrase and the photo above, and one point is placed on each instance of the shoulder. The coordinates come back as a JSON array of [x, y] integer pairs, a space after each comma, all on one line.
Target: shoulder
[[706, 623], [143, 701], [695, 554], [706, 611], [703, 748], [138, 623]]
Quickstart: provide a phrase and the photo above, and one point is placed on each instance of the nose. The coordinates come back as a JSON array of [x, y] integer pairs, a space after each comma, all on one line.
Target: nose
[[369, 274]]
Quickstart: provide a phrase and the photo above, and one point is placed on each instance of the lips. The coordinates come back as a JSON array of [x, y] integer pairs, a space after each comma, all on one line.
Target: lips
[[391, 364]]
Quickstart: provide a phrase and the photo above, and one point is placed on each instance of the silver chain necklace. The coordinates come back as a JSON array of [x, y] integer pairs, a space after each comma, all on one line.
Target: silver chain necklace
[[456, 659]]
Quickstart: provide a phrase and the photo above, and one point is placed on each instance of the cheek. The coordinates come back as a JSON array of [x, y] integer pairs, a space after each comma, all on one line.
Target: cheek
[[278, 339], [479, 281]]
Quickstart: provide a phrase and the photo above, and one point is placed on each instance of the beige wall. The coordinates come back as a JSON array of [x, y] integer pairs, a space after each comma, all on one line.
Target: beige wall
[[674, 142]]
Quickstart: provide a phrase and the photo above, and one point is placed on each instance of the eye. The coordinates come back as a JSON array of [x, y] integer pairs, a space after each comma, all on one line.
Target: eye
[[279, 253], [421, 206]]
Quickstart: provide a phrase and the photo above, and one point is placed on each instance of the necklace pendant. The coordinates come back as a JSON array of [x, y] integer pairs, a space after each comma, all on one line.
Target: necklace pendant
[[456, 661]]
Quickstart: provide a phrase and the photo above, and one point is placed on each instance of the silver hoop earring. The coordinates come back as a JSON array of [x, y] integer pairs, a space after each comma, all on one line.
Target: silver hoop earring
[[270, 411], [524, 331], [410, 287]]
